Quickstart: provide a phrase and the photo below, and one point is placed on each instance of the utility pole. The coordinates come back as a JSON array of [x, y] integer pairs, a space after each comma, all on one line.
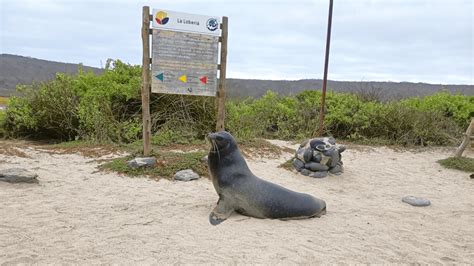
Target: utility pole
[[325, 79]]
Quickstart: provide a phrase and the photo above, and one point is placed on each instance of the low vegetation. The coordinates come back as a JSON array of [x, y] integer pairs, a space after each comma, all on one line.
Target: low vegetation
[[288, 165], [107, 108], [101, 114], [168, 163], [349, 117], [171, 157], [460, 163]]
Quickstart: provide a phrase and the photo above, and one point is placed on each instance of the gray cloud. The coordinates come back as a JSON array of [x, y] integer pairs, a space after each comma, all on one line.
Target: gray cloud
[[420, 41]]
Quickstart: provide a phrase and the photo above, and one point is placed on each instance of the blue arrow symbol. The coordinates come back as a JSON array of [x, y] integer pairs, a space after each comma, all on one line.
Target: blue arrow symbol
[[160, 76]]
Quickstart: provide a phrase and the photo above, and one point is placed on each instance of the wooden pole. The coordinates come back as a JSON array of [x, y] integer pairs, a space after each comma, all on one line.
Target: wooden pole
[[325, 79], [146, 81], [466, 140], [220, 94]]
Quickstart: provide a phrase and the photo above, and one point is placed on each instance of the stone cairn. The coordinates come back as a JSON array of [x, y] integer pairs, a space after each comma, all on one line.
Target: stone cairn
[[319, 156]]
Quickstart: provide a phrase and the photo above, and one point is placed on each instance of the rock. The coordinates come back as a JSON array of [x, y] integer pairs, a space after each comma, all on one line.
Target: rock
[[308, 155], [334, 155], [317, 157], [447, 259], [319, 174], [142, 162], [204, 159], [337, 170], [298, 164], [316, 167], [341, 148], [305, 172], [185, 175], [319, 144], [414, 201], [18, 175]]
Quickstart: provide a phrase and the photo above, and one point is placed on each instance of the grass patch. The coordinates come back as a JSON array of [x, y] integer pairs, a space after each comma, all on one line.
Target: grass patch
[[462, 163], [168, 163], [259, 147], [288, 165]]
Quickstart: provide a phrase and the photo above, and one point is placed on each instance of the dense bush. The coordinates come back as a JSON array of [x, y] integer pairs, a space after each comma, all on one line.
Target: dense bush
[[108, 108], [85, 106], [103, 108], [48, 109], [186, 117], [458, 107], [347, 117]]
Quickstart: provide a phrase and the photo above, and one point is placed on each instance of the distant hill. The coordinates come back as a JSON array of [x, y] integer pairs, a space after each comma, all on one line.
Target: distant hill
[[16, 69], [380, 90]]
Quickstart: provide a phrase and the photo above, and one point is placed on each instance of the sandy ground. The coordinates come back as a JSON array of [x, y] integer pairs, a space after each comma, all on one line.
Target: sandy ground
[[77, 215]]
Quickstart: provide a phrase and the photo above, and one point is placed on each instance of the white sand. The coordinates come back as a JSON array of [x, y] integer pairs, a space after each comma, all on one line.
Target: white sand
[[81, 216]]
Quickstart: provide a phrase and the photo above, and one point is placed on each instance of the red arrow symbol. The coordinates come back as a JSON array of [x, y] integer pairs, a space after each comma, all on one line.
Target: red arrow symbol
[[203, 79]]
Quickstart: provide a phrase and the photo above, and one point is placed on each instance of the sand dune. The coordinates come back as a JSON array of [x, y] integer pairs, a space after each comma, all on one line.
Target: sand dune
[[79, 215]]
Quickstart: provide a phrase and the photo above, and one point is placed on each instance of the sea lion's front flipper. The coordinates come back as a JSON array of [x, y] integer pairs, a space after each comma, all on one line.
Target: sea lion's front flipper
[[221, 212]]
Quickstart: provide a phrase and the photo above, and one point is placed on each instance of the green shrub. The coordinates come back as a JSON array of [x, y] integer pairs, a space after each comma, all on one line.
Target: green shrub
[[110, 107], [104, 108], [192, 117], [107, 108], [348, 117], [459, 107], [271, 116], [45, 110], [399, 124]]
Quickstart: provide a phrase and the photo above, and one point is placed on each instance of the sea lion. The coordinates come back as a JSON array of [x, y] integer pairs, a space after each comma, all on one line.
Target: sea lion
[[241, 191]]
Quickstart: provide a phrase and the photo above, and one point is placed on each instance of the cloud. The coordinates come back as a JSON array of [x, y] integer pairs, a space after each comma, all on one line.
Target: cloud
[[426, 41]]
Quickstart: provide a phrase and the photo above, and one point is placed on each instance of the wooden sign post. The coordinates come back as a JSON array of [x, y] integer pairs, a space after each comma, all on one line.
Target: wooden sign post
[[220, 100], [184, 60], [146, 81]]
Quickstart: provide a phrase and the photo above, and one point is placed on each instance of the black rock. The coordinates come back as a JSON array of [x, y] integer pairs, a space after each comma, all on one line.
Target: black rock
[[305, 172], [298, 164], [316, 167], [320, 174]]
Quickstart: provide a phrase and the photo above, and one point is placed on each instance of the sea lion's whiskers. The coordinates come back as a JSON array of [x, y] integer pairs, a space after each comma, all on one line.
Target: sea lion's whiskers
[[216, 149]]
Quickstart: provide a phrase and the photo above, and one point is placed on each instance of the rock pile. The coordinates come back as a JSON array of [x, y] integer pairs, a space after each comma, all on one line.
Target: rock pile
[[316, 157]]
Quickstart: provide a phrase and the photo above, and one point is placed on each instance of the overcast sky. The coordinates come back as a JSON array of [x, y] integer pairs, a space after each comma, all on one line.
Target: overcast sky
[[391, 40]]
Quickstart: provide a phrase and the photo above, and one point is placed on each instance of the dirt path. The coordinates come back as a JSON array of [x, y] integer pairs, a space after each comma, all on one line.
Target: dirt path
[[78, 215]]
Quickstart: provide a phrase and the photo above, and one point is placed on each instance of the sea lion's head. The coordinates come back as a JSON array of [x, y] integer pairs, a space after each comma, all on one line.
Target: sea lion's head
[[222, 142]]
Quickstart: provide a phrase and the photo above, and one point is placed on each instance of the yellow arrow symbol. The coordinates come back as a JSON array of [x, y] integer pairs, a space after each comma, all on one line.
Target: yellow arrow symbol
[[183, 78]]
